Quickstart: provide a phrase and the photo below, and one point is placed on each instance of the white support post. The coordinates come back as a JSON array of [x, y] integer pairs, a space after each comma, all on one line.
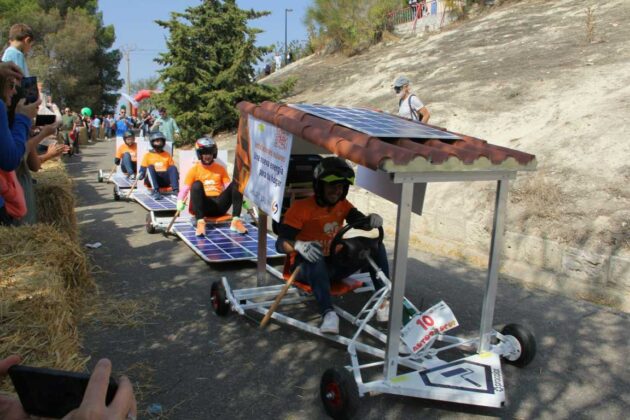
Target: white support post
[[496, 245], [403, 227]]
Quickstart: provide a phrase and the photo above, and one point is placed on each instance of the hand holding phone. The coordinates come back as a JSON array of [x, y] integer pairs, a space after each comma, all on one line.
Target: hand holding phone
[[30, 110], [54, 393], [41, 120]]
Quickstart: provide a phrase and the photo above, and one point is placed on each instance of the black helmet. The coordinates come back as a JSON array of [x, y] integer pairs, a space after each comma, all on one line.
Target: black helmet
[[331, 170], [206, 146], [157, 141]]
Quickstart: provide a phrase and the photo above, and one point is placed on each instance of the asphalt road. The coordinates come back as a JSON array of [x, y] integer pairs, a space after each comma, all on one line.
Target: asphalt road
[[196, 365]]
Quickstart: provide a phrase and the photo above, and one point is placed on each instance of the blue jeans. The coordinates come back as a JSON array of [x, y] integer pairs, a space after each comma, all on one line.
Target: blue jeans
[[170, 178], [127, 165], [320, 274]]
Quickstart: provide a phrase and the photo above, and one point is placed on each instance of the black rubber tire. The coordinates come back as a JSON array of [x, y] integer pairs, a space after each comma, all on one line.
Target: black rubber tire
[[527, 341], [218, 299], [100, 175], [339, 393], [148, 225], [116, 195]]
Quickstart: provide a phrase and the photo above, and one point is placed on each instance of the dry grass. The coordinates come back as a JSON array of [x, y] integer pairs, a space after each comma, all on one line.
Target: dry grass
[[55, 200], [540, 195], [118, 312], [590, 24], [43, 278]]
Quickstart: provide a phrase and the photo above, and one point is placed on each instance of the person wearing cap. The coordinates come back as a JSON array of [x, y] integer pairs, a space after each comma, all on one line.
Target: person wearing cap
[[409, 105], [127, 155], [211, 191]]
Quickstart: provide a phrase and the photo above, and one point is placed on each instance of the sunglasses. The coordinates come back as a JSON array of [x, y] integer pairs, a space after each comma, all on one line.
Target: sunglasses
[[397, 89]]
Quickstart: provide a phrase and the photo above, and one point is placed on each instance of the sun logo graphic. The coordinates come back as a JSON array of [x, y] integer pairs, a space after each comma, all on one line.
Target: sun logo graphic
[[274, 207], [331, 228], [208, 182], [261, 127]]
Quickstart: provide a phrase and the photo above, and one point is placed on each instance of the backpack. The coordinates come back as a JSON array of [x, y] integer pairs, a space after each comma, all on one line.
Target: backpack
[[414, 115]]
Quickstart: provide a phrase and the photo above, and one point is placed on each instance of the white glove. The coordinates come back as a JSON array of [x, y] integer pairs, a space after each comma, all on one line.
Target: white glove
[[374, 221], [310, 250]]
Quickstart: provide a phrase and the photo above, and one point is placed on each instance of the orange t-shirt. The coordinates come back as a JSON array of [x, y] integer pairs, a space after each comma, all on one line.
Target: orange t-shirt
[[132, 150], [161, 161], [317, 223], [213, 177]]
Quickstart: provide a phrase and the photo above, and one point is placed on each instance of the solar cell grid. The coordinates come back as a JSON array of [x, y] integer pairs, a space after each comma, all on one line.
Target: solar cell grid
[[220, 244], [167, 203], [374, 123]]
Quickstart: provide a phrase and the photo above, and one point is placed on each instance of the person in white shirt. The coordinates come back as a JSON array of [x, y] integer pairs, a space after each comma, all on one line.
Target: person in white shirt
[[409, 105]]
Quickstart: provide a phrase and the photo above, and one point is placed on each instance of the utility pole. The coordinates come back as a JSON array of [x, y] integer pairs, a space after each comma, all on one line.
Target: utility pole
[[286, 11], [126, 50]]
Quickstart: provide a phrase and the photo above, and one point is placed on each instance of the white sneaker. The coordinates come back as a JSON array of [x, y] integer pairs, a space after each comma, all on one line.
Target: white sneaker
[[330, 324], [382, 313]]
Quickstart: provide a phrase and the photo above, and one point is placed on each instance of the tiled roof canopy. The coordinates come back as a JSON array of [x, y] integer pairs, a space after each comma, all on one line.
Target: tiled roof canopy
[[392, 155]]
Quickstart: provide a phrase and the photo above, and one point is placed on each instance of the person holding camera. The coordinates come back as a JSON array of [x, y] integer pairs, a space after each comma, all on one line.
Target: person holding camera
[[13, 142]]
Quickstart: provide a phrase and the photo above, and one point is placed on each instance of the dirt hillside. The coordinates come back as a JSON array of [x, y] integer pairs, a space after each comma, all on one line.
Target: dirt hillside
[[522, 75]]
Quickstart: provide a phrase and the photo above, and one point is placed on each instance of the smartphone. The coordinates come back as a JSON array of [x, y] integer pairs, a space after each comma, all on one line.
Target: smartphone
[[29, 89], [45, 119], [52, 393]]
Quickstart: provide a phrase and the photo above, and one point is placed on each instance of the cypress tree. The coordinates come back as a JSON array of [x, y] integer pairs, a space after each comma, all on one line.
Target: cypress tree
[[209, 66]]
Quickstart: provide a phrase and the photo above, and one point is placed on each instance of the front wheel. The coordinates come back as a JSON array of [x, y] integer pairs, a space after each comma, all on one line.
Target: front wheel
[[523, 343], [149, 224], [218, 299], [339, 393], [116, 194], [100, 175]]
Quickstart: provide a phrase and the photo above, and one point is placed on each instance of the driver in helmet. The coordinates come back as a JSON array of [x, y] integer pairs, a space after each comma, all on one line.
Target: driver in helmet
[[127, 155], [310, 225], [159, 166], [211, 191]]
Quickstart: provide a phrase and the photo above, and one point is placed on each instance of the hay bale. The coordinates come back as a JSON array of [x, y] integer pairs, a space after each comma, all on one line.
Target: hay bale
[[43, 278], [55, 199]]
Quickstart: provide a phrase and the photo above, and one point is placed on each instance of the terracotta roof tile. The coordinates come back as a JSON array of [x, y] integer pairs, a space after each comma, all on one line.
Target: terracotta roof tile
[[393, 155]]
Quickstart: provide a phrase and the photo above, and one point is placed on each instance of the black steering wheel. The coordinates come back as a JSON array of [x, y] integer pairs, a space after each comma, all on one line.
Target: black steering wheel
[[358, 248]]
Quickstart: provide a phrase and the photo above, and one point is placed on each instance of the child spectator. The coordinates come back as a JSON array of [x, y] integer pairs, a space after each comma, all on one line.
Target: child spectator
[[20, 43]]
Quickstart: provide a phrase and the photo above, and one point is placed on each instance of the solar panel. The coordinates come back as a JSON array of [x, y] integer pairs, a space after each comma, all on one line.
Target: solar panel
[[220, 244], [121, 180], [374, 123], [167, 203]]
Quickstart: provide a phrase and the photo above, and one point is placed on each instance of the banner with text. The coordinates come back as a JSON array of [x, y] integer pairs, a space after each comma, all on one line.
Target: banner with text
[[270, 152]]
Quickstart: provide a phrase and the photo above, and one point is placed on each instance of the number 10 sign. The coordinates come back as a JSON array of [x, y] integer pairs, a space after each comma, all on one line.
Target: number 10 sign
[[423, 328]]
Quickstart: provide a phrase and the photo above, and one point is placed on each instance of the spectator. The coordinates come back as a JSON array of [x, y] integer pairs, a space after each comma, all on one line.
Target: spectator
[[267, 69], [123, 123], [166, 125], [96, 127], [12, 144], [147, 122], [278, 59], [409, 105], [20, 43], [123, 406]]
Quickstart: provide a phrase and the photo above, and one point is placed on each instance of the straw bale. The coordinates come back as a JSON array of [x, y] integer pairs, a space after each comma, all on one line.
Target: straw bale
[[55, 199], [43, 278]]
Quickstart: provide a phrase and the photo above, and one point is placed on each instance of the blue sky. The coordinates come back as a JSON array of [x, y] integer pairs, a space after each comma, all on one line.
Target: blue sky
[[134, 21]]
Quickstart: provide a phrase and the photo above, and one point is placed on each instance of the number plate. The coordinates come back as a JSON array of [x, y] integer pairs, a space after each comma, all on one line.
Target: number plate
[[424, 327]]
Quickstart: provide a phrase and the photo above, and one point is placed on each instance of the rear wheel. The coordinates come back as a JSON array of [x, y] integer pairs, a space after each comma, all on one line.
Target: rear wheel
[[523, 342], [339, 393], [218, 299]]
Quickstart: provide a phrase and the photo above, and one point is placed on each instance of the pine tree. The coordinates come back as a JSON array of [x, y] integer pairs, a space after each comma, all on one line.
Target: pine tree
[[209, 66]]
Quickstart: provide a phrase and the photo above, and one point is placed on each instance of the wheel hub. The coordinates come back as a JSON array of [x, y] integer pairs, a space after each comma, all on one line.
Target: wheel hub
[[514, 349], [333, 394]]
